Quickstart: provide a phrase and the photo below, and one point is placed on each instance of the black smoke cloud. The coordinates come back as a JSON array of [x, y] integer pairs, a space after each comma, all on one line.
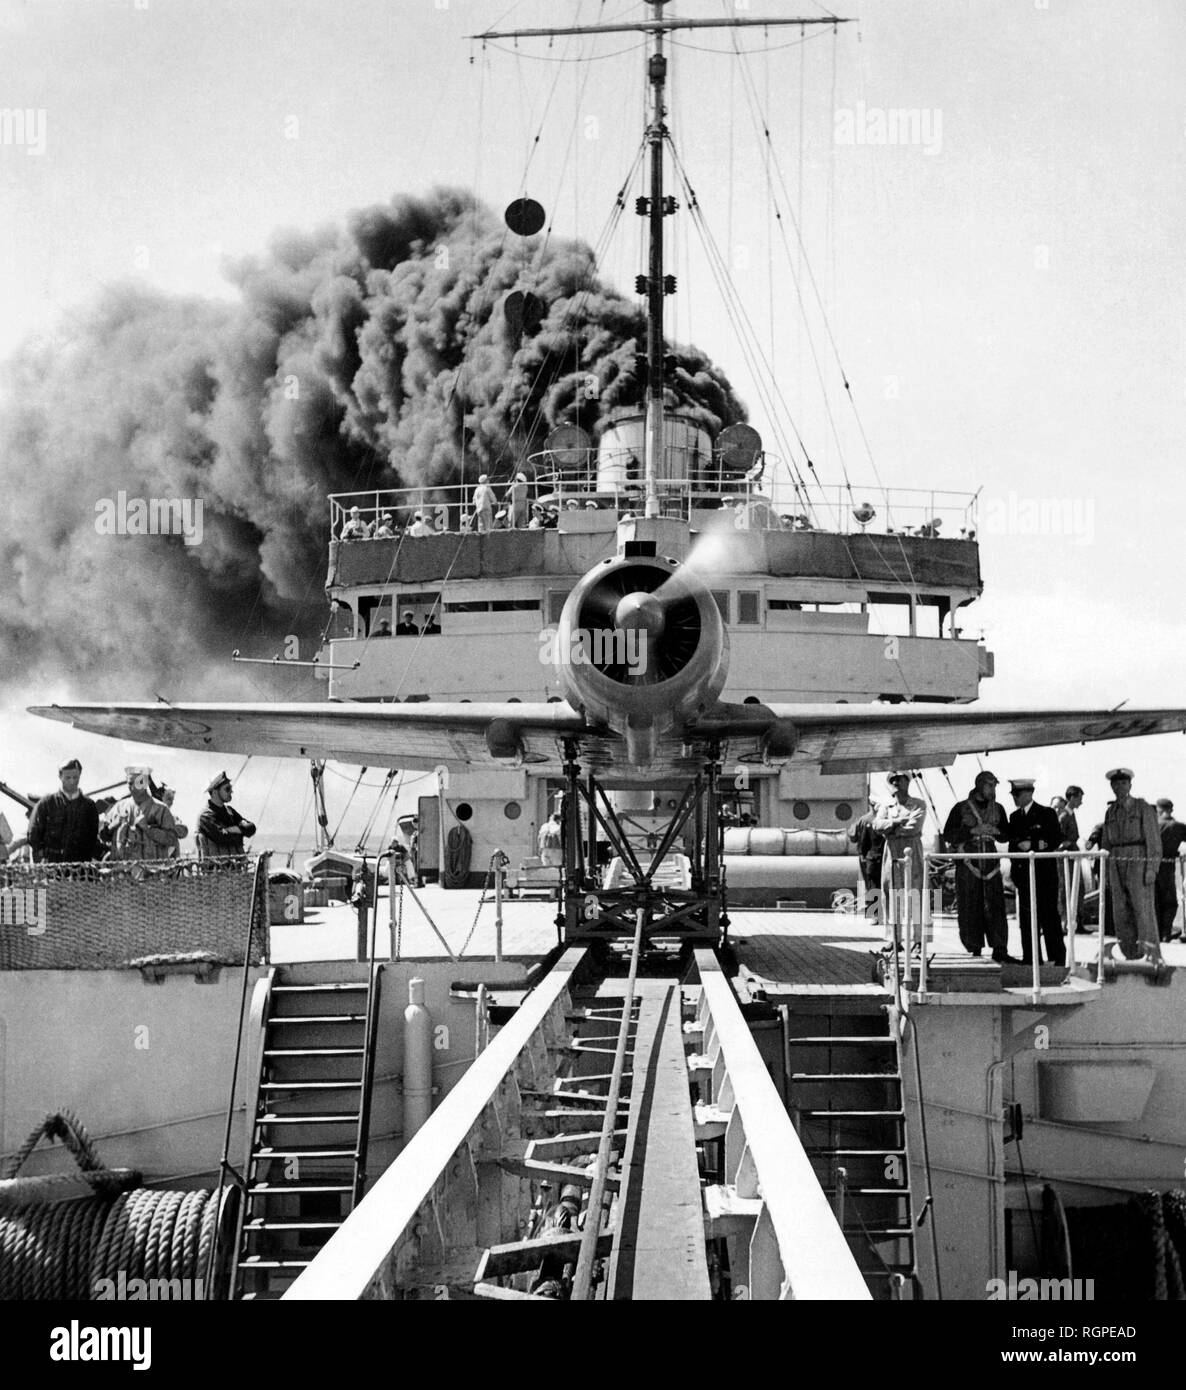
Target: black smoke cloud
[[355, 358]]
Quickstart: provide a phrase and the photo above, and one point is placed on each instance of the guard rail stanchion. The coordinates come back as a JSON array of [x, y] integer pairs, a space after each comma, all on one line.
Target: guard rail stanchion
[[927, 921], [500, 863], [1103, 903], [1036, 954], [908, 910]]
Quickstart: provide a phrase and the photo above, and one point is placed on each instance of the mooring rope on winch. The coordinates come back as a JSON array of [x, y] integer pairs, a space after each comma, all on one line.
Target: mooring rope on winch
[[63, 1249]]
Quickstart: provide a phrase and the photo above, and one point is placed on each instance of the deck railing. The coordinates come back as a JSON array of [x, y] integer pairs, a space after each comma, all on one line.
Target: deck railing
[[913, 912], [761, 504]]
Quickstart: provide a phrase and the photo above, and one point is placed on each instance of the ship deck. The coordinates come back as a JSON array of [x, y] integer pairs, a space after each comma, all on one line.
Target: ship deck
[[781, 952]]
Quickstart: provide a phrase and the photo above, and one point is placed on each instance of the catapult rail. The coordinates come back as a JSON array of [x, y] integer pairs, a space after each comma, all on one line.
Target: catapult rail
[[567, 1164]]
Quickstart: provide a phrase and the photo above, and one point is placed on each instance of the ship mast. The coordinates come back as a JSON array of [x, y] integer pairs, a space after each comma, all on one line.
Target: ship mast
[[655, 284]]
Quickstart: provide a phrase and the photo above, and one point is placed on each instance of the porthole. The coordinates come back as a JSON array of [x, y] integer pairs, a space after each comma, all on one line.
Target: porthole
[[463, 811], [801, 810], [844, 811], [512, 810]]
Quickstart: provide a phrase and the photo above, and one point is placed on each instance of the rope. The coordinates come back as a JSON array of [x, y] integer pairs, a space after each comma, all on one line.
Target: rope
[[458, 848], [62, 1250]]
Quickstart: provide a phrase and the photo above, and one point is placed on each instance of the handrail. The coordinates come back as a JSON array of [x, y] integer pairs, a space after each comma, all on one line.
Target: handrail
[[1078, 855], [759, 503], [225, 1167], [370, 1031]]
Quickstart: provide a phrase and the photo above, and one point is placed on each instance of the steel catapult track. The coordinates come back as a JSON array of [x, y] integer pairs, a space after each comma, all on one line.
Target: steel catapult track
[[620, 1137]]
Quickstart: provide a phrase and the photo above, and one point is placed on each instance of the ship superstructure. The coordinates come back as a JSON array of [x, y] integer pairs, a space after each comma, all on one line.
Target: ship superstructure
[[816, 607]]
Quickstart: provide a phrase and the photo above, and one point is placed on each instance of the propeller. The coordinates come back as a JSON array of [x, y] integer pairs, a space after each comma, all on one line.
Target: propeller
[[640, 598]]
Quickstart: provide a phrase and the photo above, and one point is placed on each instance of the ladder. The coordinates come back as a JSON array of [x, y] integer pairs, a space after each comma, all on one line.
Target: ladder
[[307, 1166], [842, 1059]]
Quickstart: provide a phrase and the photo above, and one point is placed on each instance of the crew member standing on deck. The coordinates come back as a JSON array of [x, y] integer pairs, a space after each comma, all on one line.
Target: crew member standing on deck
[[1165, 889], [870, 849], [974, 824], [551, 841], [1133, 840], [221, 829], [1068, 832], [901, 821], [483, 505], [64, 826], [141, 825], [1035, 827], [516, 503]]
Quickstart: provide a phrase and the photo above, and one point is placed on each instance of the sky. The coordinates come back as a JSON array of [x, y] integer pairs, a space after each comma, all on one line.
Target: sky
[[1004, 285]]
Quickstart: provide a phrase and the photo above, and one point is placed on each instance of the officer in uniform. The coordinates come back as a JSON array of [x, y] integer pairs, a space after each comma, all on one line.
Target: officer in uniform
[[1133, 840], [975, 823], [221, 829], [1035, 827]]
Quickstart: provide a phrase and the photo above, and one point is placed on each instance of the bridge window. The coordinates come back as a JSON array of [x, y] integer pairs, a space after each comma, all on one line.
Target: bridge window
[[749, 606], [722, 601], [515, 605], [556, 600]]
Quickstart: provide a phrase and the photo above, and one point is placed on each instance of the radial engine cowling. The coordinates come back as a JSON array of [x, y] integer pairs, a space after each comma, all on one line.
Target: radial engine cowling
[[640, 647]]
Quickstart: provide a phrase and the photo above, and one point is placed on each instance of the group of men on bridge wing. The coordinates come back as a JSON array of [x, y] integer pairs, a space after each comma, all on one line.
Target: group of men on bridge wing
[[1143, 848], [69, 827]]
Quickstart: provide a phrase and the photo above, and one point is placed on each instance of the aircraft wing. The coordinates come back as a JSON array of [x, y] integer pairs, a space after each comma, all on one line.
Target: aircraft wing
[[836, 738], [873, 738], [419, 735]]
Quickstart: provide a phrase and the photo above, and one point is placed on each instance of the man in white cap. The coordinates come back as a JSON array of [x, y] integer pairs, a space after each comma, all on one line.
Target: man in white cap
[[141, 826], [975, 824], [355, 528], [516, 502], [222, 830], [1033, 827], [1133, 840], [901, 822], [483, 504], [64, 826], [421, 527]]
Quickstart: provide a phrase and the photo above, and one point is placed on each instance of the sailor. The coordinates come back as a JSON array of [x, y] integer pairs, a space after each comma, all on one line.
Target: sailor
[[1133, 841], [1034, 827], [975, 823], [432, 626], [483, 504], [1068, 829], [64, 826], [901, 821], [516, 501], [870, 845], [383, 628], [141, 826], [1165, 888], [551, 839], [386, 528], [406, 627], [222, 830], [168, 796], [355, 528], [421, 526], [539, 517]]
